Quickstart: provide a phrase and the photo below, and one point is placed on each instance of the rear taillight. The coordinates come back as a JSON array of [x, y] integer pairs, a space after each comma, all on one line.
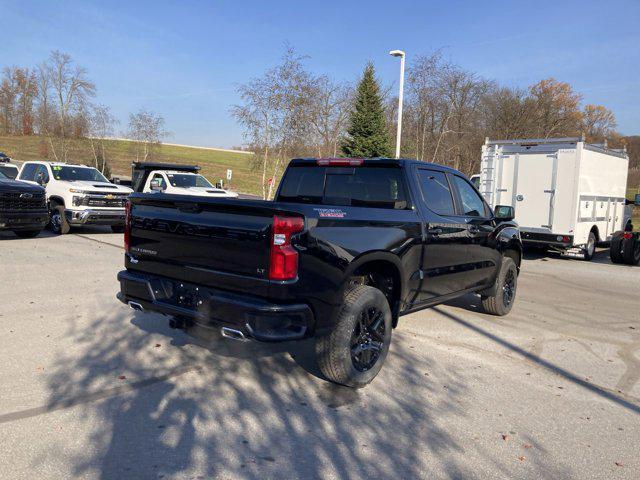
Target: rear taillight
[[283, 263], [340, 162], [127, 225]]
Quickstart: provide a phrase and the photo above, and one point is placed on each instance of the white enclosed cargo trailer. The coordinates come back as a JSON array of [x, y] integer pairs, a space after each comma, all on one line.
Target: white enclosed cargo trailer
[[567, 194]]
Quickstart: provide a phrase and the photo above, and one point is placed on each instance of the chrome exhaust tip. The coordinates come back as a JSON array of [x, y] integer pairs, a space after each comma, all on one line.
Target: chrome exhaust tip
[[232, 333], [135, 306]]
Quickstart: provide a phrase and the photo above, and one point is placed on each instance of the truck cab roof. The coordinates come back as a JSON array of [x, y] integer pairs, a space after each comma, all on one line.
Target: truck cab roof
[[58, 164], [368, 162]]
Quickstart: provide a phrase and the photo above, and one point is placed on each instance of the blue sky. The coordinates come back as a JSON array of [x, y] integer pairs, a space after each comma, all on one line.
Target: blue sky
[[184, 59]]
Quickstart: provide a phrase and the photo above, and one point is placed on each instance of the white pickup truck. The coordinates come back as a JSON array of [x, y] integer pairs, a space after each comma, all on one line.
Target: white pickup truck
[[177, 180], [77, 195]]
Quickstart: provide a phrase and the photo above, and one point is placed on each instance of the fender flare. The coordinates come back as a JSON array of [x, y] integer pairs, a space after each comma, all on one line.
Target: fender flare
[[377, 256]]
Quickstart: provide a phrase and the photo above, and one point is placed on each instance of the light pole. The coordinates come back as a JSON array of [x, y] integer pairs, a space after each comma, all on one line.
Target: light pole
[[399, 53]]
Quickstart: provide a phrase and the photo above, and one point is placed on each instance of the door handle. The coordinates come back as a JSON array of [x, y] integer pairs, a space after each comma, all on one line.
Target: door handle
[[434, 231]]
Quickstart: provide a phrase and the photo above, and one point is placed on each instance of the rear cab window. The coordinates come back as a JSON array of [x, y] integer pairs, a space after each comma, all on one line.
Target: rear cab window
[[360, 186]]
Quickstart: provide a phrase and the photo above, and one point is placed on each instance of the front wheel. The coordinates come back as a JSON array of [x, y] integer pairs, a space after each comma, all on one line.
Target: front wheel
[[353, 353], [590, 249], [58, 221], [506, 286]]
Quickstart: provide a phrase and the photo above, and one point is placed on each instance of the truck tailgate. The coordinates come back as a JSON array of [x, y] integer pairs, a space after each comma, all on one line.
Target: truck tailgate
[[202, 240]]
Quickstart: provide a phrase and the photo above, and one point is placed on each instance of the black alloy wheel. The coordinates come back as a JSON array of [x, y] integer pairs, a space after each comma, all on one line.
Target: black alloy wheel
[[367, 339]]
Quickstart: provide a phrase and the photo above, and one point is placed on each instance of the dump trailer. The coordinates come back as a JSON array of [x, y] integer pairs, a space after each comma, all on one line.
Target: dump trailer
[[568, 195]]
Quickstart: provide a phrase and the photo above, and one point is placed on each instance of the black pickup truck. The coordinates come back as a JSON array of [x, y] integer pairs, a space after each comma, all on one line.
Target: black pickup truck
[[347, 247], [23, 207]]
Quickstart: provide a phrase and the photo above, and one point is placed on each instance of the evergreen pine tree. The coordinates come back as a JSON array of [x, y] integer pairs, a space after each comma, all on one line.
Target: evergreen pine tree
[[367, 132]]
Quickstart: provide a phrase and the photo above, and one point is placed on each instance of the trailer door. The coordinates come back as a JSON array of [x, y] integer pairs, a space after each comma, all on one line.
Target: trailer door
[[535, 190]]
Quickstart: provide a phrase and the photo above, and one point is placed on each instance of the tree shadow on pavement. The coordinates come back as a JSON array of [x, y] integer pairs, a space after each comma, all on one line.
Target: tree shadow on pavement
[[628, 404], [159, 403]]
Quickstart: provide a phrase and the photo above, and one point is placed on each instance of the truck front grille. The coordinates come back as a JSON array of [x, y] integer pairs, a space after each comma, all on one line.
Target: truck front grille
[[20, 201], [110, 201]]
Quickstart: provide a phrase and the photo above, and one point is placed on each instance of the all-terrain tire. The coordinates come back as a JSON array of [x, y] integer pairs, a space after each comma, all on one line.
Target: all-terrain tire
[[631, 250], [615, 250], [502, 301], [334, 350]]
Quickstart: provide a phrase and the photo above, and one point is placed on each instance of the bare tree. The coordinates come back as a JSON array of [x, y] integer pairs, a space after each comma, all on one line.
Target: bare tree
[[147, 130], [44, 102], [71, 91], [8, 96], [508, 113], [444, 112], [275, 114], [101, 127], [328, 115]]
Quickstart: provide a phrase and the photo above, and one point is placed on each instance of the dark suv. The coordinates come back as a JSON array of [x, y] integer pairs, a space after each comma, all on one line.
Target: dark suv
[[23, 207]]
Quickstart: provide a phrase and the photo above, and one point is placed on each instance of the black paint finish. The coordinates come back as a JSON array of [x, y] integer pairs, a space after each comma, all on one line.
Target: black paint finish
[[223, 244]]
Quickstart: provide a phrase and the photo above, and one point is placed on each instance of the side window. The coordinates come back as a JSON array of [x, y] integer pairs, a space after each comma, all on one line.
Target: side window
[[436, 191], [42, 176], [28, 171], [471, 203], [160, 178]]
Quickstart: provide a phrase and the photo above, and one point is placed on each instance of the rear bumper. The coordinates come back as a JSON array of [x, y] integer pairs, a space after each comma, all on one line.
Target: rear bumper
[[212, 308], [29, 220], [550, 239], [95, 217]]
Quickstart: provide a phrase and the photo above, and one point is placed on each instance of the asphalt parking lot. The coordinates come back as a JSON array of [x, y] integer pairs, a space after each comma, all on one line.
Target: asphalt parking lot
[[92, 389]]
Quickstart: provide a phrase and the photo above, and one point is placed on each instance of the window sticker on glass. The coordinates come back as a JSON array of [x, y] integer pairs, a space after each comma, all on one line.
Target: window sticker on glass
[[330, 212]]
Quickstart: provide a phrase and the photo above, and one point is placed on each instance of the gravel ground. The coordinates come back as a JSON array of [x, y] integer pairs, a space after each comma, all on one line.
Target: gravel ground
[[92, 389]]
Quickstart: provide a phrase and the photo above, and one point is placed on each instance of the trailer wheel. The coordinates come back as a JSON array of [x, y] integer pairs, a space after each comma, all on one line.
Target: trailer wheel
[[352, 354], [590, 249], [615, 250], [507, 282], [631, 249]]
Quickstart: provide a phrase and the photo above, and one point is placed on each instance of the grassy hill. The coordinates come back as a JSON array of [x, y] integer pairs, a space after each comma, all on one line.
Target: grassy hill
[[120, 153]]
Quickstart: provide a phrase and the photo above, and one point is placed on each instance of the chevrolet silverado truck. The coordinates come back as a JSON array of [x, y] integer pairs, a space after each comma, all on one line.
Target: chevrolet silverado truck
[[77, 195], [174, 179], [347, 247], [23, 207]]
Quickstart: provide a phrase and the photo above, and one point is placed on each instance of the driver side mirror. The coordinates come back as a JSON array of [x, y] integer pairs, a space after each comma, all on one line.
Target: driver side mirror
[[40, 179], [504, 213], [156, 186]]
